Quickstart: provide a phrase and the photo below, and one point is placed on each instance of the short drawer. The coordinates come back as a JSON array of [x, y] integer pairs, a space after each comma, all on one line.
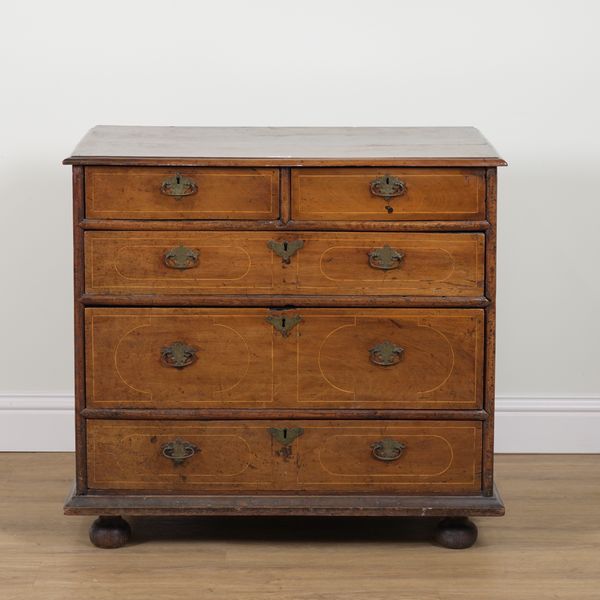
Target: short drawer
[[181, 193], [439, 264], [312, 358], [374, 194], [409, 457]]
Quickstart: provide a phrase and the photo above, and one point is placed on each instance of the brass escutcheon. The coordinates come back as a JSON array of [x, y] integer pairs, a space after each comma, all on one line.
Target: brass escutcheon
[[178, 186], [181, 257], [178, 450], [284, 323], [286, 435], [385, 258], [387, 449], [178, 355], [285, 249], [385, 354]]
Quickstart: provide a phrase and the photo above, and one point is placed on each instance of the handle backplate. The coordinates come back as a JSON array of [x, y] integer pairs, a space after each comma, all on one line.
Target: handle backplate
[[387, 449], [178, 355], [178, 186], [385, 258], [385, 354], [387, 187], [178, 450], [181, 258]]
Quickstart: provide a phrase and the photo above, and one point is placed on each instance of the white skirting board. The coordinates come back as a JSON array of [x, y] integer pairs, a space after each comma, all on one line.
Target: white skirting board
[[524, 424]]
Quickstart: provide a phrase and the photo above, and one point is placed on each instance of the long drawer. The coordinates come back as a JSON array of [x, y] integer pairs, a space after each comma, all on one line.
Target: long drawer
[[181, 193], [314, 358], [450, 264], [379, 194], [411, 457]]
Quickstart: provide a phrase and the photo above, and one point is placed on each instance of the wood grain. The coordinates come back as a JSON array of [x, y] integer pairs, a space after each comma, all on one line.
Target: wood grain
[[345, 194], [439, 457], [243, 263], [490, 333], [282, 300], [280, 225], [285, 196], [285, 504], [78, 182], [325, 362], [218, 414], [135, 193], [285, 146]]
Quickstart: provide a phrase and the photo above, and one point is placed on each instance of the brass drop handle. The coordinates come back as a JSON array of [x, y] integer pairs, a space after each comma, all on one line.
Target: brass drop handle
[[385, 258], [385, 354], [387, 187], [179, 450], [387, 449], [181, 258], [178, 355], [178, 186]]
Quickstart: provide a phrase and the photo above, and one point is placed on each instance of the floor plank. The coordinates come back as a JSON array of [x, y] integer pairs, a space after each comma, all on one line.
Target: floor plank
[[547, 546]]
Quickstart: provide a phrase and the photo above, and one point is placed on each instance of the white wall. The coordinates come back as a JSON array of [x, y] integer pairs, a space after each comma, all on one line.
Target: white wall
[[525, 73]]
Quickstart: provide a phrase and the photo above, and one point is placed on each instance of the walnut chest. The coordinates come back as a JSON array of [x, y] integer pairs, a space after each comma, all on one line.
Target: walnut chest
[[284, 321]]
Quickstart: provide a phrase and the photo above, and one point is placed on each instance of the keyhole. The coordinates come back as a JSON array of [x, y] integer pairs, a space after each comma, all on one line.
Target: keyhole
[[178, 179], [387, 180], [285, 246], [285, 433], [283, 322]]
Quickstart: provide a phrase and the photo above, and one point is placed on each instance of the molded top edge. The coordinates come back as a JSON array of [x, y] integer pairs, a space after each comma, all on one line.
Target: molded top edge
[[286, 146]]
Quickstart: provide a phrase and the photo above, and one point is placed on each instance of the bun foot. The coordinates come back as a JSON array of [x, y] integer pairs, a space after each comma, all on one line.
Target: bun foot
[[110, 532], [456, 533]]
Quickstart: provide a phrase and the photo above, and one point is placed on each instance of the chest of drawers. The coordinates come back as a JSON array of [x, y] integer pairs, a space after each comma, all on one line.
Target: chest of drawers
[[284, 321]]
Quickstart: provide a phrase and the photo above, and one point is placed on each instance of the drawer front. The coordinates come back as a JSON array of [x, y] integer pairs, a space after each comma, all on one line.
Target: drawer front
[[308, 456], [373, 194], [440, 264], [313, 358], [185, 193]]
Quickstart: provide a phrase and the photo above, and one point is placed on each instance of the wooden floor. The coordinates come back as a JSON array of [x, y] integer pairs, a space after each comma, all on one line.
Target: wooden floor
[[546, 547]]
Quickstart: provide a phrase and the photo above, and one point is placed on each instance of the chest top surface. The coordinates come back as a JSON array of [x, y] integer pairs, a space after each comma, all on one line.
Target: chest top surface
[[286, 146]]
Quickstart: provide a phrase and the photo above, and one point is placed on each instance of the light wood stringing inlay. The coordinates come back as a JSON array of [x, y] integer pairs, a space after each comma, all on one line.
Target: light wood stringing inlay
[[242, 361], [344, 194], [135, 193], [332, 263], [329, 455]]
